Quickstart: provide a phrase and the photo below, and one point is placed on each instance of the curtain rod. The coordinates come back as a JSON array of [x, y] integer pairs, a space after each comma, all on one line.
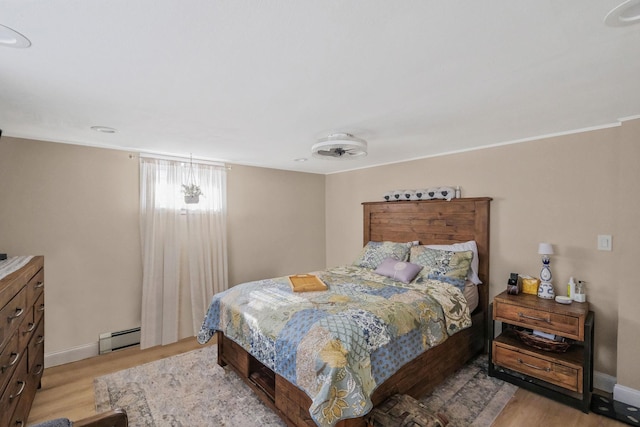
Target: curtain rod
[[179, 159]]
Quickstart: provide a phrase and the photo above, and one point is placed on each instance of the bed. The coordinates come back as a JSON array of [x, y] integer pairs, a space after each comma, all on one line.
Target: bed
[[452, 338]]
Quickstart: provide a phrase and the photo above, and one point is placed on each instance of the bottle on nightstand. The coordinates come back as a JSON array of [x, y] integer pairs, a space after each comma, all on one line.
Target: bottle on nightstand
[[580, 296], [571, 288]]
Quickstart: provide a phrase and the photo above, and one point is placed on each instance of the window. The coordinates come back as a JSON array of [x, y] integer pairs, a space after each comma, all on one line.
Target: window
[[184, 249]]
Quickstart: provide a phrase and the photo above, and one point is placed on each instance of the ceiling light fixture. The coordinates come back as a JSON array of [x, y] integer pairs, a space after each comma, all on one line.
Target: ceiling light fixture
[[11, 38], [103, 129], [627, 13], [340, 146]]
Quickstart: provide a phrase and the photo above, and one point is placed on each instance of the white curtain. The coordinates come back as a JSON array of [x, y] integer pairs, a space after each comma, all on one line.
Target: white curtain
[[184, 247]]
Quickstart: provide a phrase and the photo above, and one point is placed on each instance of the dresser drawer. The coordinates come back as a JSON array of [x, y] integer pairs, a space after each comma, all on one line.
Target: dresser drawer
[[9, 360], [27, 327], [537, 366], [36, 345], [11, 315], [36, 367], [13, 392], [554, 323], [38, 308], [8, 291], [35, 287]]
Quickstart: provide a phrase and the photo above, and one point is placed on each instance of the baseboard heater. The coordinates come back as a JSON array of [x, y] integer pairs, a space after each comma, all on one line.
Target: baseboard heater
[[112, 341]]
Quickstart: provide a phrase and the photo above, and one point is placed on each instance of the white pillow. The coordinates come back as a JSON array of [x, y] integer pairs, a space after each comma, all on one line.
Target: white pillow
[[460, 247]]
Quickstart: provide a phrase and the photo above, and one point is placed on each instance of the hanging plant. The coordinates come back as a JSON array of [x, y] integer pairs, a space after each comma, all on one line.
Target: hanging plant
[[191, 190], [192, 193]]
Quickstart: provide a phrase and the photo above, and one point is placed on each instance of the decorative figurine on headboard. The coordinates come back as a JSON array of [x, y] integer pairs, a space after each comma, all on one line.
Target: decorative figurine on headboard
[[514, 284]]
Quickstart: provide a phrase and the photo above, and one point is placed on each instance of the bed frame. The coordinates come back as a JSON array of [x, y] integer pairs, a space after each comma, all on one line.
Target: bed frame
[[430, 222]]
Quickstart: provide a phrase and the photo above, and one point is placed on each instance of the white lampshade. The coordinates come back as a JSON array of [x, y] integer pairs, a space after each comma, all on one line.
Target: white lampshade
[[545, 249]]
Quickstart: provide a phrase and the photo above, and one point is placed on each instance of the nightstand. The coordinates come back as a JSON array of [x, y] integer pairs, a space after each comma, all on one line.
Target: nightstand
[[565, 377]]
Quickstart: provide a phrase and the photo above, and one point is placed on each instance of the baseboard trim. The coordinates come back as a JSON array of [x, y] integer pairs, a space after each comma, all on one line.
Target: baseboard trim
[[71, 355], [604, 382], [626, 395]]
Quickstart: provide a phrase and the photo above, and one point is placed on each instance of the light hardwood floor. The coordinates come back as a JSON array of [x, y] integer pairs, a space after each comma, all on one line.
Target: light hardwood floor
[[67, 391]]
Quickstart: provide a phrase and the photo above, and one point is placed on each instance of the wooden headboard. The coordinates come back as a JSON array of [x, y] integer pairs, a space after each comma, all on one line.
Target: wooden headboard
[[434, 222]]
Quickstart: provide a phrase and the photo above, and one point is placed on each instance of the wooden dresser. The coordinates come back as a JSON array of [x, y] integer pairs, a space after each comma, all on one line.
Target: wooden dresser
[[565, 376], [21, 340]]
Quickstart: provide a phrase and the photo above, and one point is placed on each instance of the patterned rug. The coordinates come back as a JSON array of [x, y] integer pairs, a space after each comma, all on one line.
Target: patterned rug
[[470, 398], [190, 389]]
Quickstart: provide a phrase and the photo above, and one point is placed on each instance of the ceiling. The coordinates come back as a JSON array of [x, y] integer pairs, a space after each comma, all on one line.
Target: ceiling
[[259, 82]]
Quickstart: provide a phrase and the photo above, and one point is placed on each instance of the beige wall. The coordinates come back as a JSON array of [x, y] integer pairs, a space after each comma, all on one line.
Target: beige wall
[[276, 223], [626, 248], [563, 190], [78, 206]]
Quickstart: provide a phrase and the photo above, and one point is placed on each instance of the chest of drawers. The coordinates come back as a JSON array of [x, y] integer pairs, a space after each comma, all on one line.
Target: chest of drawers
[[564, 376], [21, 340]]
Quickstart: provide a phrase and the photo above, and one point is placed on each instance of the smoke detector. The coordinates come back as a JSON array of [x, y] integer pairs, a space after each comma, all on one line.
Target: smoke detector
[[340, 146]]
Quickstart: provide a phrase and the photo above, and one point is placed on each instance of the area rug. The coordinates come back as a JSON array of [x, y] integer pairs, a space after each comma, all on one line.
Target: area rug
[[470, 398], [190, 389]]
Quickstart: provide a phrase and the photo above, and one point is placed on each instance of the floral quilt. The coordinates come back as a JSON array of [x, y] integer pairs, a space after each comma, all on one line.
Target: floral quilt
[[337, 345]]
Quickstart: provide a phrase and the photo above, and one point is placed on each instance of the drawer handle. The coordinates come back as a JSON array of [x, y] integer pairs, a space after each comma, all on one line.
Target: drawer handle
[[22, 386], [41, 308], [522, 362], [16, 356], [39, 285], [19, 423], [30, 329], [17, 314], [541, 319], [40, 369], [39, 340]]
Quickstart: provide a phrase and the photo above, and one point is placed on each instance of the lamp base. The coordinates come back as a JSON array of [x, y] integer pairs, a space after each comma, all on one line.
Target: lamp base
[[545, 290]]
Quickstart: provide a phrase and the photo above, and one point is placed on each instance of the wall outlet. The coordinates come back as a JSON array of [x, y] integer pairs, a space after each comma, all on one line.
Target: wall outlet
[[604, 242]]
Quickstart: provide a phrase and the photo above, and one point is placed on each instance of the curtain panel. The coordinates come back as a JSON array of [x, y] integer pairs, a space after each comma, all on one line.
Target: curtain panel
[[184, 247]]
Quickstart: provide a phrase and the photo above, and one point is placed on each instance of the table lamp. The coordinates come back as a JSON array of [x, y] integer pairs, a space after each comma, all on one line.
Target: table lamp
[[545, 290]]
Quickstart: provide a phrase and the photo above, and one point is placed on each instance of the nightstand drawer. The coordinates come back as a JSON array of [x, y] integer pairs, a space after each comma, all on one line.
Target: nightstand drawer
[[554, 323], [542, 368]]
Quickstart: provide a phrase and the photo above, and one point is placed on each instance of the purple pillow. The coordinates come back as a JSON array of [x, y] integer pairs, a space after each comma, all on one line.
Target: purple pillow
[[398, 270]]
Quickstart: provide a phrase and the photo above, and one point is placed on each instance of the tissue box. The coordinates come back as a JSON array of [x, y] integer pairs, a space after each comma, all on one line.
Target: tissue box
[[530, 285]]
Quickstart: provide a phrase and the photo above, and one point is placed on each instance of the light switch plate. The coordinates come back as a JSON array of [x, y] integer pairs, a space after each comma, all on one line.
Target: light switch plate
[[604, 242]]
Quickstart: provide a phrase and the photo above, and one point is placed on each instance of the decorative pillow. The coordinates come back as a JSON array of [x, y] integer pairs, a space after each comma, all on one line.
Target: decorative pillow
[[398, 270], [375, 252], [446, 266], [466, 246]]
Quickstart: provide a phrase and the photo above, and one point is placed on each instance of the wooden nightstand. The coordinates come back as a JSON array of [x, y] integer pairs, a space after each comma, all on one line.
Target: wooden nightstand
[[565, 377]]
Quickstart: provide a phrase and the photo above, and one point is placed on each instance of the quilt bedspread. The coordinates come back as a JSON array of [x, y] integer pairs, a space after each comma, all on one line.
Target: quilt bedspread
[[337, 345]]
